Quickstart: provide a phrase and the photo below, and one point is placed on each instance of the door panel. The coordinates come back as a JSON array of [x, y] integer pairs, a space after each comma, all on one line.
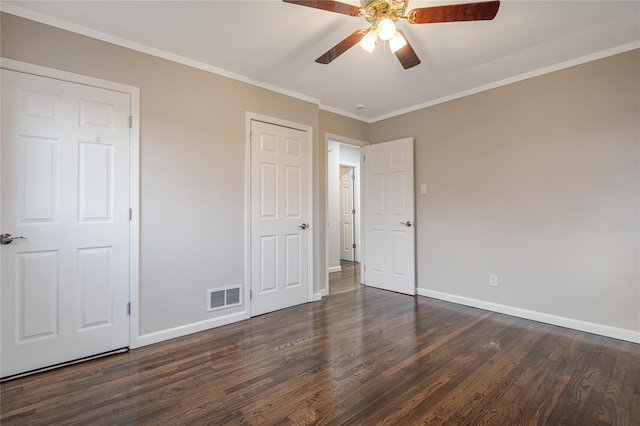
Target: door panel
[[94, 265], [65, 187], [293, 195], [279, 206], [95, 181], [39, 163], [268, 190], [293, 266], [389, 243], [346, 213], [37, 308], [268, 263]]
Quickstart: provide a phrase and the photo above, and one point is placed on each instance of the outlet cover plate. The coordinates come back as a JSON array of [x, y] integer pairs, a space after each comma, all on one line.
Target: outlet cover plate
[[493, 280]]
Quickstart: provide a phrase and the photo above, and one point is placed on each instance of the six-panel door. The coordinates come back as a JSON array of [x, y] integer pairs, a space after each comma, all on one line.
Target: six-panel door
[[65, 188], [389, 236], [279, 217]]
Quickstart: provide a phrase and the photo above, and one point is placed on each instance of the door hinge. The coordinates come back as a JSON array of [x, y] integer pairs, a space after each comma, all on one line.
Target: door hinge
[[353, 176], [130, 215], [129, 308], [250, 294], [365, 267], [130, 121], [353, 211], [353, 245]]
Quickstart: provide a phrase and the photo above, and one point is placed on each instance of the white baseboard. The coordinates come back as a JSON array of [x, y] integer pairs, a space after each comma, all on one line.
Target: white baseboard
[[589, 327], [334, 269], [172, 333], [319, 295]]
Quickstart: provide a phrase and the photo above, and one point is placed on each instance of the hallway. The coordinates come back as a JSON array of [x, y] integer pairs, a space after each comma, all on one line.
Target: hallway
[[346, 280]]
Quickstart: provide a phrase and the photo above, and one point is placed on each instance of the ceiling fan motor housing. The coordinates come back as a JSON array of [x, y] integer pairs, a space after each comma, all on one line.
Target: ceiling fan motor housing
[[374, 10]]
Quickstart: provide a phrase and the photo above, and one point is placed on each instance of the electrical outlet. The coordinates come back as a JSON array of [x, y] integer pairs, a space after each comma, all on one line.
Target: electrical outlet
[[493, 280]]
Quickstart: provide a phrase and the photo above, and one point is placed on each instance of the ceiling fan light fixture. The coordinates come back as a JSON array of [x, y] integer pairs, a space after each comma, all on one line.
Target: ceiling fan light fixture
[[382, 16], [386, 28], [368, 42], [397, 42]]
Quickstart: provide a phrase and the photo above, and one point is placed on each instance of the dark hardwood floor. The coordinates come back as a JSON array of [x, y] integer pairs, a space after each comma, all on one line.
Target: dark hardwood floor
[[347, 279], [359, 357]]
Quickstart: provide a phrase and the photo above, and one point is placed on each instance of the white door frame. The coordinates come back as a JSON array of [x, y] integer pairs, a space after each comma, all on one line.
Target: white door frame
[[349, 141], [251, 116], [134, 170]]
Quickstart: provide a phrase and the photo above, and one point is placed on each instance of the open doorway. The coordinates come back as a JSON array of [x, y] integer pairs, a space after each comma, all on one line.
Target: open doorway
[[343, 213]]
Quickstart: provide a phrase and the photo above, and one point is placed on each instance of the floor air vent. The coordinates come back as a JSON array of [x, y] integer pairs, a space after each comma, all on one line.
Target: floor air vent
[[223, 297]]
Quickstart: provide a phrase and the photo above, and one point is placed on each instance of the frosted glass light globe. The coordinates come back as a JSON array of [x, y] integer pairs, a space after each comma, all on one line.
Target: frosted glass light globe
[[368, 42], [397, 42], [386, 29]]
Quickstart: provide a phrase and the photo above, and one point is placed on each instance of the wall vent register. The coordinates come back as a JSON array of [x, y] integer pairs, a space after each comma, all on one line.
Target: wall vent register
[[226, 297]]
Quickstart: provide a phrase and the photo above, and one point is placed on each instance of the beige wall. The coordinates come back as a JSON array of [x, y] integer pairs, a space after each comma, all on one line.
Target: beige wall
[[340, 125], [537, 182], [192, 149]]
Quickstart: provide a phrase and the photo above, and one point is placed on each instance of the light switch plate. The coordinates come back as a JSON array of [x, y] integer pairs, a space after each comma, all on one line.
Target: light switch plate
[[423, 188]]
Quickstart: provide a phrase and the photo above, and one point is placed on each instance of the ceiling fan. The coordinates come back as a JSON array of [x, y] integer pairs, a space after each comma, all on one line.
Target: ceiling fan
[[382, 15]]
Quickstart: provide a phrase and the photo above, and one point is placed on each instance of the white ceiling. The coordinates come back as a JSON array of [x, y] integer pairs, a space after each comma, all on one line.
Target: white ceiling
[[274, 44]]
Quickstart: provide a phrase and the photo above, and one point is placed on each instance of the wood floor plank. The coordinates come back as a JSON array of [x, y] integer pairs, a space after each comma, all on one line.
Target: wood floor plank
[[361, 356]]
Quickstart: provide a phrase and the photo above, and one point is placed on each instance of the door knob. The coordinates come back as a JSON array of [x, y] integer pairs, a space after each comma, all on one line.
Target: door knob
[[408, 224], [8, 239], [304, 226]]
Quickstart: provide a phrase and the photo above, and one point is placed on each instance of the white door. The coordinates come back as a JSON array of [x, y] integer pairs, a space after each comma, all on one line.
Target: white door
[[65, 188], [280, 212], [346, 213], [389, 227]]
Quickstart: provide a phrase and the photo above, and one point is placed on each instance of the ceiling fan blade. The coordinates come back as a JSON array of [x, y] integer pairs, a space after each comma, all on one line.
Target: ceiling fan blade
[[330, 5], [342, 47], [483, 11], [406, 55]]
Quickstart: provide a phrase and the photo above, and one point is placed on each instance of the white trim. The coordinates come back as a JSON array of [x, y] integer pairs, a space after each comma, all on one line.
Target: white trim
[[27, 68], [247, 214], [184, 330], [589, 327], [134, 225], [531, 74], [344, 113], [134, 171], [334, 269], [98, 35], [319, 295], [344, 140], [250, 116]]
